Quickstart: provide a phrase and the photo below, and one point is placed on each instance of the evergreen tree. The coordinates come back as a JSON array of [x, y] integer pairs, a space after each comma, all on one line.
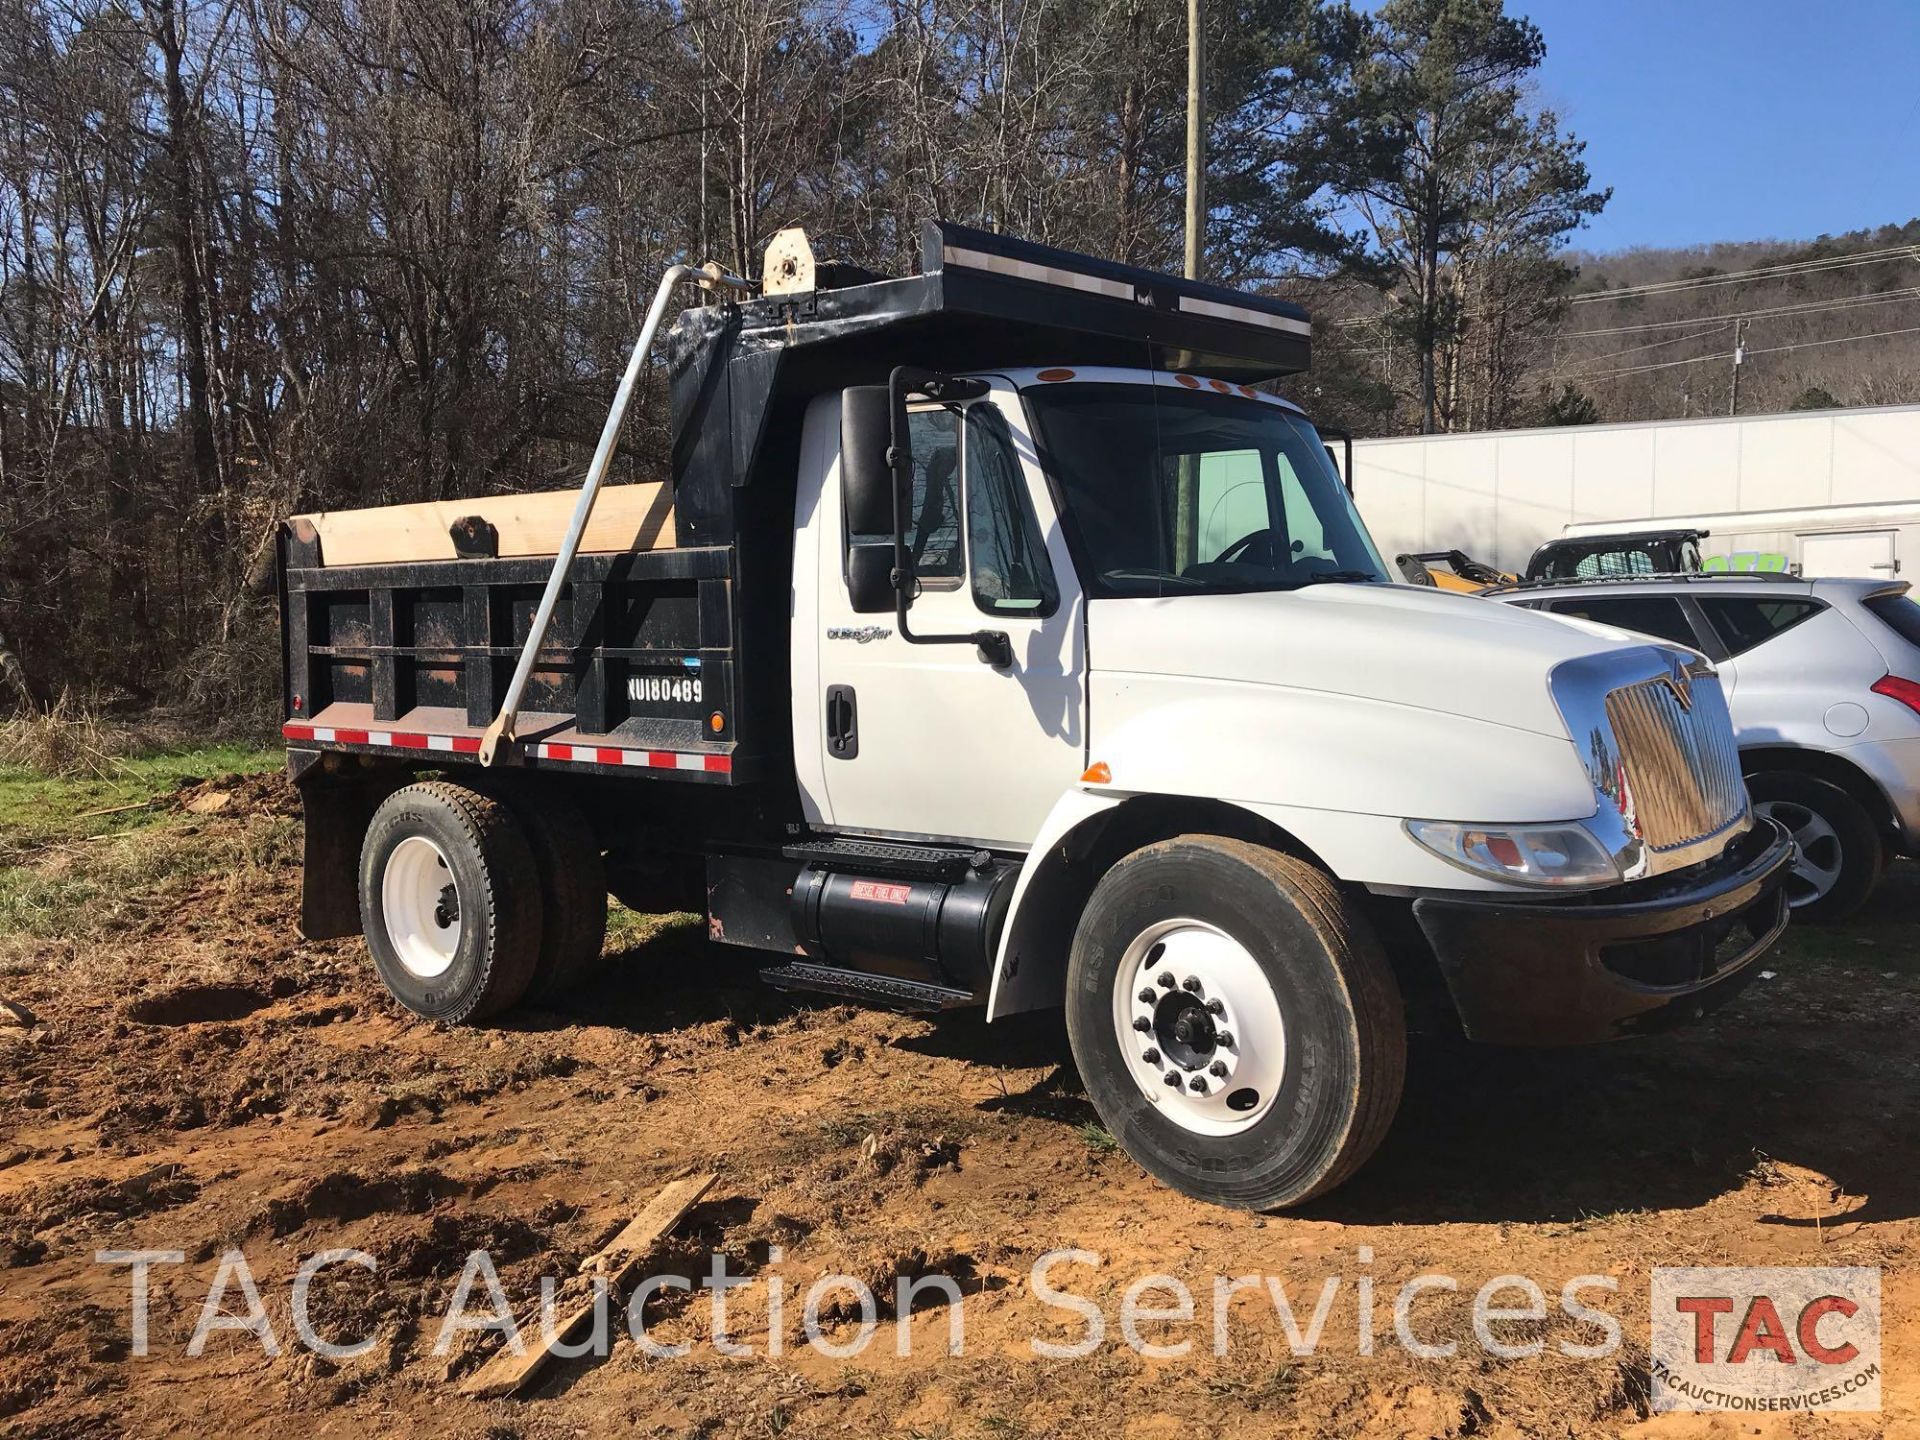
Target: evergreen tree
[[1443, 161]]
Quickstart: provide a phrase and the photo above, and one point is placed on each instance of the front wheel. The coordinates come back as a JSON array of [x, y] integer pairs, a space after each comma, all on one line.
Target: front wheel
[[1236, 1023], [1840, 854]]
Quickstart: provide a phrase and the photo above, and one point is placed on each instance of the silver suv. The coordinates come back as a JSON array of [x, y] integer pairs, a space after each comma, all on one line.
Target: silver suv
[[1823, 681]]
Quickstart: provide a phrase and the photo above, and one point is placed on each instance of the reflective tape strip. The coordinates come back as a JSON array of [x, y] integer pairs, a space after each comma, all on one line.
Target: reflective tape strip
[[1194, 305], [470, 745], [1028, 270]]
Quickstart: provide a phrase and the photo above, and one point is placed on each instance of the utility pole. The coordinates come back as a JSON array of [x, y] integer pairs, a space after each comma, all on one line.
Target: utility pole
[[1196, 140], [700, 39], [1739, 359]]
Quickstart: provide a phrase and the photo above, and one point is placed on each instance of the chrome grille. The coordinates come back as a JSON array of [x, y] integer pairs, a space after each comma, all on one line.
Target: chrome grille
[[1680, 758]]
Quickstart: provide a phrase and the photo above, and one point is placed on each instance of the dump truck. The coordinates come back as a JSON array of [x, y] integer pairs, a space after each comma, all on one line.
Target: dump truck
[[1000, 640]]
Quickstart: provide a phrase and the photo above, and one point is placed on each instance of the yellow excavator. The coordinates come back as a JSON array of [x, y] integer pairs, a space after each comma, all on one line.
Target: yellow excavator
[[1451, 570]]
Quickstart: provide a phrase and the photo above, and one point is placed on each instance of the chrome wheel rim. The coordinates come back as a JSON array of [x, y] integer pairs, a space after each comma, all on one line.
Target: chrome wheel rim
[[1820, 856], [1200, 1027], [421, 906]]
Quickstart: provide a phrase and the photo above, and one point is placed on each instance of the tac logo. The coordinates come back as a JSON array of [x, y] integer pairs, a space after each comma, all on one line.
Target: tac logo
[[1759, 1340]]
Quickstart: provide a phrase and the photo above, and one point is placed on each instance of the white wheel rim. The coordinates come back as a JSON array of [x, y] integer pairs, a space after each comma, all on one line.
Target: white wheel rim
[[421, 905], [1192, 1003], [1817, 866]]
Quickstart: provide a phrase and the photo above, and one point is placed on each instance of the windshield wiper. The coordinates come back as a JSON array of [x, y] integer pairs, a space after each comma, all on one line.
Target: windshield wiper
[[1340, 577]]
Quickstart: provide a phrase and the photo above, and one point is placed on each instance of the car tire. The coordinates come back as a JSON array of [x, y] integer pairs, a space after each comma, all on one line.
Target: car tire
[[1296, 1101], [1841, 857], [450, 902]]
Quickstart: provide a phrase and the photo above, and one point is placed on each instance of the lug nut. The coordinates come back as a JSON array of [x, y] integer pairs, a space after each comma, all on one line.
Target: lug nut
[[1164, 980], [1142, 1024], [1173, 1079], [1191, 984], [1224, 1039], [1150, 1056], [1218, 1069], [1214, 1007], [1146, 997], [1198, 1084]]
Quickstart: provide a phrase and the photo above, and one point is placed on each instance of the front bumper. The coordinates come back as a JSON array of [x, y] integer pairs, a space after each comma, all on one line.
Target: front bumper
[[1576, 969]]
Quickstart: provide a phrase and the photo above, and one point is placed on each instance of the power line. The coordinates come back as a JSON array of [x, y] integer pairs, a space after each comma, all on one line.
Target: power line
[[1762, 272], [1785, 270], [1715, 323], [1728, 354], [1573, 366], [1798, 307]]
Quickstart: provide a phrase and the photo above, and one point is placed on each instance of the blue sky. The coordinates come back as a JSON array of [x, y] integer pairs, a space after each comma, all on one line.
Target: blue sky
[[1717, 120]]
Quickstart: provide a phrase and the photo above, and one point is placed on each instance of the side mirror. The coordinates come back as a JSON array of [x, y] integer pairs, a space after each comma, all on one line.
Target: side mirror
[[866, 480], [870, 578]]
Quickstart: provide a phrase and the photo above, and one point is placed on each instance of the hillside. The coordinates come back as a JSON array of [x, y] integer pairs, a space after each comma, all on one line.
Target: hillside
[[1649, 334]]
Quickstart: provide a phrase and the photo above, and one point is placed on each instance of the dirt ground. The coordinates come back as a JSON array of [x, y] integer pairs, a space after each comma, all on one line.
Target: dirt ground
[[198, 1079]]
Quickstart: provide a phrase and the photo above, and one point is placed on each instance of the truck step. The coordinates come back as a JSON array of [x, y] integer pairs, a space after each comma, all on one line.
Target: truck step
[[885, 991], [879, 857]]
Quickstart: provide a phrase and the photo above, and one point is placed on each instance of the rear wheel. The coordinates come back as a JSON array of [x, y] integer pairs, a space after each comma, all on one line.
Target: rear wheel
[[1236, 1022], [573, 889], [1841, 857], [450, 902]]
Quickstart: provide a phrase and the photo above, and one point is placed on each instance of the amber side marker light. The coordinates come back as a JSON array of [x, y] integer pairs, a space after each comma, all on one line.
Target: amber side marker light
[[1054, 375], [716, 722], [1098, 773]]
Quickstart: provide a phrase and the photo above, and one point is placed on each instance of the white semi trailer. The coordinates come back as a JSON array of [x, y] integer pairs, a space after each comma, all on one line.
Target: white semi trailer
[[1828, 492]]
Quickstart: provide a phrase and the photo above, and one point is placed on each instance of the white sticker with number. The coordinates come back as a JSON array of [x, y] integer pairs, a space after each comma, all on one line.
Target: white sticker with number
[[659, 689]]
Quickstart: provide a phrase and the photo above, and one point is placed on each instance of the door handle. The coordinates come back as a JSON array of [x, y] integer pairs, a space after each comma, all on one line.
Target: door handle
[[843, 723]]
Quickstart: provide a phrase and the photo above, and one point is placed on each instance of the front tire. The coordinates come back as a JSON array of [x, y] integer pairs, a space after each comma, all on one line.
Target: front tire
[[450, 902], [1841, 858], [1201, 935]]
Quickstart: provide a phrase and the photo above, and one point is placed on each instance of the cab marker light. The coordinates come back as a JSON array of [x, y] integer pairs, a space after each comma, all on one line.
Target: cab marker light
[[1057, 373], [1098, 773]]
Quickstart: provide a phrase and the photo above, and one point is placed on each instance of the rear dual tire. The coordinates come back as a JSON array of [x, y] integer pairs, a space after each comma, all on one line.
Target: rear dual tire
[[473, 901], [1302, 1048], [450, 902]]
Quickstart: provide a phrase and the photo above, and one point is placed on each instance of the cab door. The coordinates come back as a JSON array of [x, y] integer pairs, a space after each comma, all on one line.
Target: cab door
[[930, 741]]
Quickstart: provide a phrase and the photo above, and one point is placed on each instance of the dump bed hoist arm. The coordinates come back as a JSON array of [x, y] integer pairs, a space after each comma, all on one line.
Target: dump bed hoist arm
[[709, 277]]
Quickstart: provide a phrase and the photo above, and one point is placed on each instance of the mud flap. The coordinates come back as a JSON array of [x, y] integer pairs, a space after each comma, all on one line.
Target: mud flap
[[336, 812]]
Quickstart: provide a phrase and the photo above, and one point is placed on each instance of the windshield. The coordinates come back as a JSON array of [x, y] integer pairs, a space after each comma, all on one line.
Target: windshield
[[1177, 492]]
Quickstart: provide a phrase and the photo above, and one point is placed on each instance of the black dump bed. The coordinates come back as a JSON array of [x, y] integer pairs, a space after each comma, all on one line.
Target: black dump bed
[[672, 662]]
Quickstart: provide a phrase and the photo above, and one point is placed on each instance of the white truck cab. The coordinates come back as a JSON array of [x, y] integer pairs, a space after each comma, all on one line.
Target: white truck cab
[[1070, 678]]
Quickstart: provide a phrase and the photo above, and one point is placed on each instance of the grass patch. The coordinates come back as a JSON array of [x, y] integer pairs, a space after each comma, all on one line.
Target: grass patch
[[76, 878], [1096, 1137], [104, 887], [629, 929], [38, 809]]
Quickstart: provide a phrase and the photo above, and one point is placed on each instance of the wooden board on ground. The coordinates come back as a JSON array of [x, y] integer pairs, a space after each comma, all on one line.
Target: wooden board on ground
[[507, 1372], [625, 517]]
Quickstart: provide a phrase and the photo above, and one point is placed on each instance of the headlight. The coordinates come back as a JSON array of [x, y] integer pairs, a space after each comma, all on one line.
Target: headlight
[[1565, 854]]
